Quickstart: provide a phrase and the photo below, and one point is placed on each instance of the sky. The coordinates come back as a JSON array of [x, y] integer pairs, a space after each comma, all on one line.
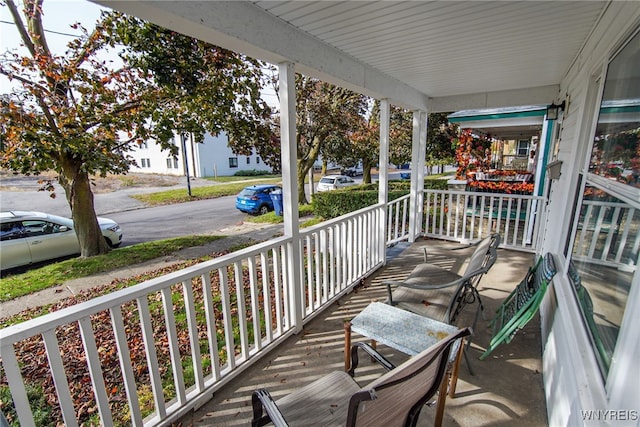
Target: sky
[[57, 18]]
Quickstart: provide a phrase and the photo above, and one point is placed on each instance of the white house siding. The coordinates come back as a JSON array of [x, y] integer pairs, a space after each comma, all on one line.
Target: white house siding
[[210, 158], [572, 377]]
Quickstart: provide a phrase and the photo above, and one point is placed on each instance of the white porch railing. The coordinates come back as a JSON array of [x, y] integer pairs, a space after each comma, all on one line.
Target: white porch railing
[[470, 216], [607, 233], [398, 220], [189, 332], [178, 338]]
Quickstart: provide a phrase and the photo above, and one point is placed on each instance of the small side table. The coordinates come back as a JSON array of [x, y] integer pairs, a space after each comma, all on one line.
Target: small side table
[[408, 333]]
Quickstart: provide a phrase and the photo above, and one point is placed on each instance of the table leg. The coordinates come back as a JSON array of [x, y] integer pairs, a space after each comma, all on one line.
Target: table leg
[[442, 397], [456, 369], [347, 346]]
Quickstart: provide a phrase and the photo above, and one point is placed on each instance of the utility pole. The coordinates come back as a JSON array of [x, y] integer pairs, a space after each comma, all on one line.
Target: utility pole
[[183, 138]]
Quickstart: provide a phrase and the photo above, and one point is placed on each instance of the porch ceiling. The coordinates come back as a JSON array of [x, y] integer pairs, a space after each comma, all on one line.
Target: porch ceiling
[[444, 55]]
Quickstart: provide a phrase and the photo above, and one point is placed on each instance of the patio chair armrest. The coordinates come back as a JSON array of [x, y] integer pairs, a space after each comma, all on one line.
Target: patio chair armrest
[[260, 399], [372, 352]]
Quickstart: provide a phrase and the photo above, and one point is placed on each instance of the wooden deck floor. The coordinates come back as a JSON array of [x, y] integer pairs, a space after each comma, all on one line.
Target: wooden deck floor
[[505, 389]]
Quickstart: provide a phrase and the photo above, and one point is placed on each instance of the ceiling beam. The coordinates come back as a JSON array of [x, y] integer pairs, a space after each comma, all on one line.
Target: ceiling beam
[[505, 98], [245, 28]]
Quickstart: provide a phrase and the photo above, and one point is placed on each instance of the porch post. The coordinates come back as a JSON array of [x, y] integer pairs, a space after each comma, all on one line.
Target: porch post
[[418, 148], [289, 162], [383, 178]]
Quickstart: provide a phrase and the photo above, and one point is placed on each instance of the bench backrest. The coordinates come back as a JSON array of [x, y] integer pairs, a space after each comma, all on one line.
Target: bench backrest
[[521, 304]]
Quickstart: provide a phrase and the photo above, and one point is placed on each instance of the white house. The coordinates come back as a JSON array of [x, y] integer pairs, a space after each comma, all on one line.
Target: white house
[[211, 158]]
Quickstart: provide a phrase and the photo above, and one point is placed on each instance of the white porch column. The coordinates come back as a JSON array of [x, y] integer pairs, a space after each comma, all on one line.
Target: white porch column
[[289, 163], [419, 142], [383, 176]]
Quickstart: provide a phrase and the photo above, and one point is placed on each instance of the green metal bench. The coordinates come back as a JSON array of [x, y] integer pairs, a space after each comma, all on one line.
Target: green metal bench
[[522, 304]]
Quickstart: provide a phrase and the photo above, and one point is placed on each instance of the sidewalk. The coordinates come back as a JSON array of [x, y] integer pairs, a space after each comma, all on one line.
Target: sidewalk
[[237, 235]]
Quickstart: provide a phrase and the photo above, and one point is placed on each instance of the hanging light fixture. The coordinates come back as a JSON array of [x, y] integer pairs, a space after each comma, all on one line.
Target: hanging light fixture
[[554, 109]]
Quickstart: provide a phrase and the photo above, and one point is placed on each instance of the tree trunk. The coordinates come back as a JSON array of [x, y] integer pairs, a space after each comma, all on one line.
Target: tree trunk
[[302, 173], [77, 187], [366, 172]]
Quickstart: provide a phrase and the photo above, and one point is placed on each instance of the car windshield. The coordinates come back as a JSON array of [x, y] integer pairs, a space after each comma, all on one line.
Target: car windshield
[[327, 180]]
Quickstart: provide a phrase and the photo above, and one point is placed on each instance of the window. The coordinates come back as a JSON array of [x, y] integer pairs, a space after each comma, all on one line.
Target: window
[[257, 160], [248, 160], [233, 162], [172, 163], [523, 148], [604, 251], [12, 230], [143, 145], [145, 163]]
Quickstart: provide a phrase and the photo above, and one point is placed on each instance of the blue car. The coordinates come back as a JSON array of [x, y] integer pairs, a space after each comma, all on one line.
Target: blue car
[[256, 199]]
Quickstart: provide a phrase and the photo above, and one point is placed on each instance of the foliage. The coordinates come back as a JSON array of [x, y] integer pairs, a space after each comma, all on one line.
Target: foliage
[[326, 116], [440, 135], [472, 153], [617, 156], [13, 286], [39, 405], [400, 135], [80, 115], [501, 187], [253, 172], [272, 218]]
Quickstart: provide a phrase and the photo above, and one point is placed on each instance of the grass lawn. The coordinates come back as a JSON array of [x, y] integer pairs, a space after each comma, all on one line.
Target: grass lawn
[[199, 193], [36, 279]]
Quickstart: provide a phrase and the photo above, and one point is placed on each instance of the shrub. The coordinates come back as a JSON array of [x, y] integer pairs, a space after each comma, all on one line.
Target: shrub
[[332, 204], [252, 172]]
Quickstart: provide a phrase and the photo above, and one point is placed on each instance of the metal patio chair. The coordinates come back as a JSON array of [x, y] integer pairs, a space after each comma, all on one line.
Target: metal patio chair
[[394, 399], [440, 294]]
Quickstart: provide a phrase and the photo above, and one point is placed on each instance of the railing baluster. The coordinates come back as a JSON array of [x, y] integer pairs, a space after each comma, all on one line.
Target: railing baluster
[[225, 299], [212, 330], [16, 384], [125, 365], [625, 235], [255, 303], [241, 310], [277, 284], [95, 371], [59, 378], [192, 325], [172, 341], [323, 265], [152, 357], [266, 297]]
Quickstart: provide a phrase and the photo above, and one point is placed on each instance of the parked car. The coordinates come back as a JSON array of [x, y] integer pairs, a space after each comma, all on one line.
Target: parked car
[[354, 171], [256, 199], [334, 182], [31, 237]]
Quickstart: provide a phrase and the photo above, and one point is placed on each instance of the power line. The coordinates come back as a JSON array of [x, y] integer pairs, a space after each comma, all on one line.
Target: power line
[[46, 31]]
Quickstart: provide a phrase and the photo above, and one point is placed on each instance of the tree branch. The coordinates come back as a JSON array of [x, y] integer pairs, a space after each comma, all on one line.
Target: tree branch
[[24, 34]]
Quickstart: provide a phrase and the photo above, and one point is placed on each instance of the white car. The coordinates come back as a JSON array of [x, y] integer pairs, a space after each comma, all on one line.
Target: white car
[[334, 182], [31, 237]]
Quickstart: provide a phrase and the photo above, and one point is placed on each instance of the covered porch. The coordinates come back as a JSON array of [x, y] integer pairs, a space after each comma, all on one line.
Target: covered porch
[[506, 388]]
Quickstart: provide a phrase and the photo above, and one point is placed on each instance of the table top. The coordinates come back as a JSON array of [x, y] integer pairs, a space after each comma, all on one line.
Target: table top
[[400, 329]]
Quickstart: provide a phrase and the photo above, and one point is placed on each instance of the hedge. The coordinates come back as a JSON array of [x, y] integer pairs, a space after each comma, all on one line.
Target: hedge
[[332, 204]]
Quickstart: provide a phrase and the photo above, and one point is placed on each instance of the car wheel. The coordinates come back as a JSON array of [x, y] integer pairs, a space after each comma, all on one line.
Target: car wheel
[[111, 245], [263, 210]]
